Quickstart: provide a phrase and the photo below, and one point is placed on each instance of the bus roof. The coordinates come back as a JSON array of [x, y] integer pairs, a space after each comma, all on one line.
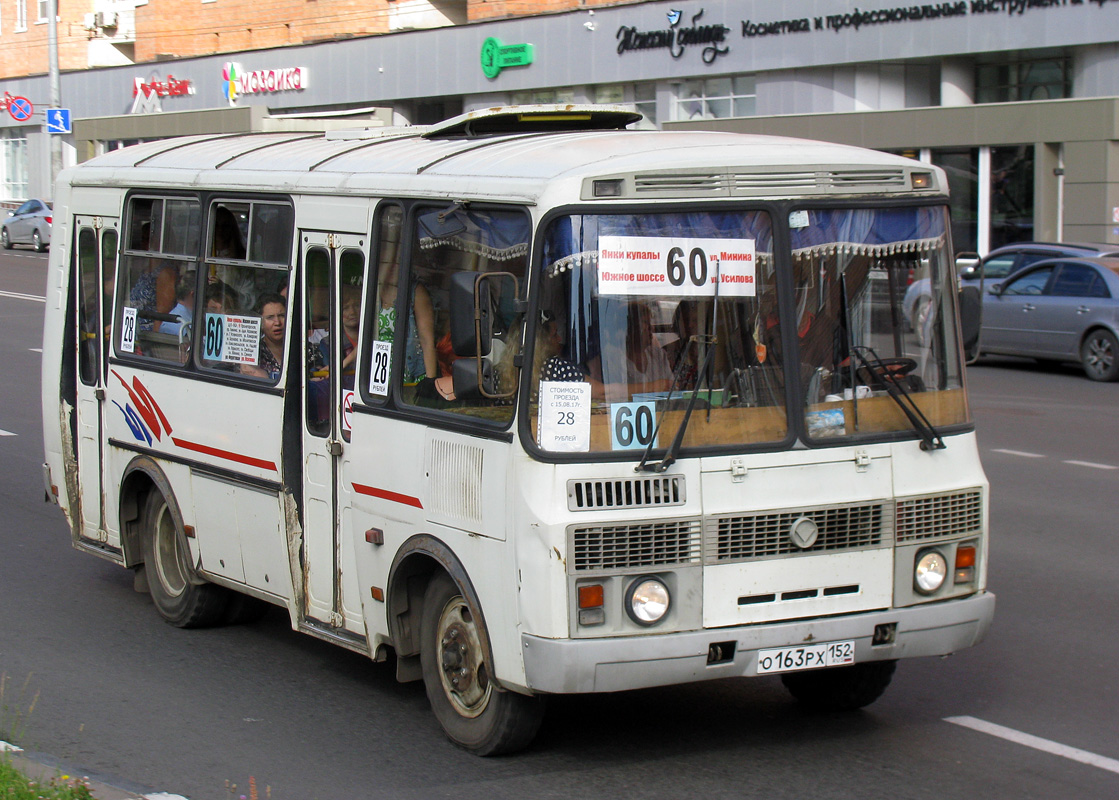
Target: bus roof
[[513, 153]]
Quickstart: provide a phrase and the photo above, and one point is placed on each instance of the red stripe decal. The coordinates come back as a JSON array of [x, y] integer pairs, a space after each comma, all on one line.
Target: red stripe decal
[[227, 455], [385, 494]]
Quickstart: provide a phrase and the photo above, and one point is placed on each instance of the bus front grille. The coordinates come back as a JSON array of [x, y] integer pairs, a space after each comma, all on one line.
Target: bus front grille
[[635, 544], [938, 516], [637, 492], [743, 537]]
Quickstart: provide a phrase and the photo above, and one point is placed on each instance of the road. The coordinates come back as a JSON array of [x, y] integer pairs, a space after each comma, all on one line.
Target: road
[[120, 695]]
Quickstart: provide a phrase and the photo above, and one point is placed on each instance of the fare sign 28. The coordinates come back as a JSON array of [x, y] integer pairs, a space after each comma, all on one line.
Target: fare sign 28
[[682, 267]]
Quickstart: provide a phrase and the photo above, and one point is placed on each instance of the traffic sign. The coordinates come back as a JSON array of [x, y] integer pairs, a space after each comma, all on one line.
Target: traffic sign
[[20, 108], [58, 120]]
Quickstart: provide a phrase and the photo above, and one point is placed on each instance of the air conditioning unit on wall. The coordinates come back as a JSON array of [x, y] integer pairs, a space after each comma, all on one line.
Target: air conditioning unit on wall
[[105, 19]]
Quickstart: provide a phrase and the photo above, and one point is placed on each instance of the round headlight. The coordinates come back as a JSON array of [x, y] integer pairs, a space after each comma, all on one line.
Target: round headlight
[[647, 601], [930, 571]]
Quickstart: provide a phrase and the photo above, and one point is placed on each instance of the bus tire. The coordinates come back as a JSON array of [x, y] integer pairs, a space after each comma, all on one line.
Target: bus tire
[[840, 688], [475, 713], [178, 596]]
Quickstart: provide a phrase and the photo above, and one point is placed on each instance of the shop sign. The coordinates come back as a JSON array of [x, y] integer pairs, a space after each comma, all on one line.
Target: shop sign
[[856, 20], [677, 38], [148, 95], [497, 56], [236, 81]]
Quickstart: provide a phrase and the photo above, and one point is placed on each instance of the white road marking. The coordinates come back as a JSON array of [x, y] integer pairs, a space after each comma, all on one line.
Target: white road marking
[[9, 748], [1037, 743], [1091, 464], [1019, 453], [7, 433], [21, 296], [35, 349]]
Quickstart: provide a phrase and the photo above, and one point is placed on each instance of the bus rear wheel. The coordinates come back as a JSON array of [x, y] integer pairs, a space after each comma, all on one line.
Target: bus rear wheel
[[178, 596], [840, 688], [475, 713]]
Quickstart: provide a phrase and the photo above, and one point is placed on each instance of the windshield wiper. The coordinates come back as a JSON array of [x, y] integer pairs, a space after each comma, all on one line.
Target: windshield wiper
[[703, 377], [875, 366]]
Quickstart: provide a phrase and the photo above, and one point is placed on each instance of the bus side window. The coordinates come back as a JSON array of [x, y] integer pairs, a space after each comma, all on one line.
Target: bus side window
[[484, 240], [89, 315]]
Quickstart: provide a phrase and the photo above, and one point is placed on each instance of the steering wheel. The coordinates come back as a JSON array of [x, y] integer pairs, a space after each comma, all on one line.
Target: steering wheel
[[890, 369]]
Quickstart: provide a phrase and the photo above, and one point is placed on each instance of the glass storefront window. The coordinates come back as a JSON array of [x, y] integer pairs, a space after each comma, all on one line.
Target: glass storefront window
[[1012, 194], [15, 167], [715, 98], [1043, 79], [962, 168]]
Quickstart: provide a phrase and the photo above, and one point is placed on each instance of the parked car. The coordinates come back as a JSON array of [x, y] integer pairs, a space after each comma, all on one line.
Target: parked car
[[28, 224], [994, 269], [1062, 309]]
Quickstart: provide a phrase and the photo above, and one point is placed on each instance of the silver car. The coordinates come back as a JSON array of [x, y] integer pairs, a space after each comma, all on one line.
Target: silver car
[[1060, 309], [28, 224]]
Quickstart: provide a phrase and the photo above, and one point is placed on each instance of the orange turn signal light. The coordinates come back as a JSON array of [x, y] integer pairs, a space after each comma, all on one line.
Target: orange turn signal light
[[591, 596], [965, 556]]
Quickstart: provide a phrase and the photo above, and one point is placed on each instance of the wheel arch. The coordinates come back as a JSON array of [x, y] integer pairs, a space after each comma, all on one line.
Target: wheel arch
[[417, 561], [1096, 326], [141, 477]]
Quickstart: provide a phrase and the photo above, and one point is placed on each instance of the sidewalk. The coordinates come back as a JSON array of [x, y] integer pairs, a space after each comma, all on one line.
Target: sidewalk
[[43, 768]]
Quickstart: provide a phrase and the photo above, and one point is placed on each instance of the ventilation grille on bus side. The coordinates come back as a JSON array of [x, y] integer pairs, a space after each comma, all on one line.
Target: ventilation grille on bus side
[[822, 181], [939, 516], [455, 488], [639, 492], [636, 544], [767, 535]]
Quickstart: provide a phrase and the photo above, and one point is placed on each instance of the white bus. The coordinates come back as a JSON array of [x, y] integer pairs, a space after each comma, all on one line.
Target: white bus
[[539, 403]]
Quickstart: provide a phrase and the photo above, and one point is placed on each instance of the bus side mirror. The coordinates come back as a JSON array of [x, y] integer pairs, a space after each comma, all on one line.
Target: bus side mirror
[[483, 305], [971, 319], [471, 315]]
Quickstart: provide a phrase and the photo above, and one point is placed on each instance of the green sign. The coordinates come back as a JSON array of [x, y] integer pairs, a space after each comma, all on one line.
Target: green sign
[[497, 56]]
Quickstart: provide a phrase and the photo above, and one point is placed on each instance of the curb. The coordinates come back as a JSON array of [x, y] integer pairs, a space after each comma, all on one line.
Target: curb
[[43, 768]]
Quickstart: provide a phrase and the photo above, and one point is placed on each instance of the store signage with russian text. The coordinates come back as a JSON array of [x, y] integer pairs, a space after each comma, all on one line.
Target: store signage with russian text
[[147, 96], [497, 56], [236, 80]]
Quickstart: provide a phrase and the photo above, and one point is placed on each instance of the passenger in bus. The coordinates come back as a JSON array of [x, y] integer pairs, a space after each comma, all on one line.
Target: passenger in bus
[[549, 353], [220, 299], [227, 236], [649, 369], [420, 360], [351, 320], [273, 321], [184, 309]]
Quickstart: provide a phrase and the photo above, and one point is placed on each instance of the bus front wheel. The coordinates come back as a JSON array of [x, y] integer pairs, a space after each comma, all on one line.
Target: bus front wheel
[[840, 688], [475, 713], [178, 596]]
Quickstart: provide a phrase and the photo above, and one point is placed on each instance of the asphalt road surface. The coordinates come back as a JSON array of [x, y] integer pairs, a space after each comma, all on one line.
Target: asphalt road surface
[[1029, 713]]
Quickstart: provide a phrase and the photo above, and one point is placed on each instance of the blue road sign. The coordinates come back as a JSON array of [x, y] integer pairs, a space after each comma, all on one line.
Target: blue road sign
[[20, 108], [58, 120]]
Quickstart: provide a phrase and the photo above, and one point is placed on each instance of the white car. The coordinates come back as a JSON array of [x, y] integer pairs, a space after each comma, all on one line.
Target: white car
[[29, 224]]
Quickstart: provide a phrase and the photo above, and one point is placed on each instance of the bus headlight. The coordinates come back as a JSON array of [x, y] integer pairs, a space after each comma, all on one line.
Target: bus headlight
[[930, 571], [647, 600]]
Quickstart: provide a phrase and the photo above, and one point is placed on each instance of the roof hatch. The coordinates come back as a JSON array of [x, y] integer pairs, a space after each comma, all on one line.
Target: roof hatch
[[506, 120]]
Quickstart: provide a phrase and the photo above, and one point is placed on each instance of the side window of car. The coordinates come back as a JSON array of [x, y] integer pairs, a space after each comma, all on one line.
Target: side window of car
[[1073, 280], [998, 267], [1025, 259], [1031, 284]]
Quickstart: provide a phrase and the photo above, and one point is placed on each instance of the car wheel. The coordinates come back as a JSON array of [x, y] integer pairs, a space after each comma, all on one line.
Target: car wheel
[[5, 239], [840, 688], [179, 597], [37, 242], [1099, 355], [475, 713]]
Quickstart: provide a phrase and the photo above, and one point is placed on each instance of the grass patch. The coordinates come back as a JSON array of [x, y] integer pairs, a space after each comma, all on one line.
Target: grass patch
[[14, 785]]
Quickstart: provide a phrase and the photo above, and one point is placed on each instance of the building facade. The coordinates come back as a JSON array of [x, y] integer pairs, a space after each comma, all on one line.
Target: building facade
[[1017, 99]]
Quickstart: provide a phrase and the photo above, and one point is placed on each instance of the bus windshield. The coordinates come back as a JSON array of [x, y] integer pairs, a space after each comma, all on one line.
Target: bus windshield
[[643, 315]]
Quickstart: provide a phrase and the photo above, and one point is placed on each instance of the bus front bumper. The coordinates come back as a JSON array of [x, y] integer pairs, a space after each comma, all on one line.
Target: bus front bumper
[[568, 666]]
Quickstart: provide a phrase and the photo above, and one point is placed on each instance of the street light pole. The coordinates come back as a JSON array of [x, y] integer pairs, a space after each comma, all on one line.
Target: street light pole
[[56, 90]]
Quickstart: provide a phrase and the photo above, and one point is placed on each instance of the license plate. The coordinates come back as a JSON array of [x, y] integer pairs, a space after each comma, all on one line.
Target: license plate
[[812, 656]]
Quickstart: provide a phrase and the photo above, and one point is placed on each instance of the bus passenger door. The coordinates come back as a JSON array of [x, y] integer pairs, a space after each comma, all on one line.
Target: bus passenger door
[[333, 276], [95, 260]]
